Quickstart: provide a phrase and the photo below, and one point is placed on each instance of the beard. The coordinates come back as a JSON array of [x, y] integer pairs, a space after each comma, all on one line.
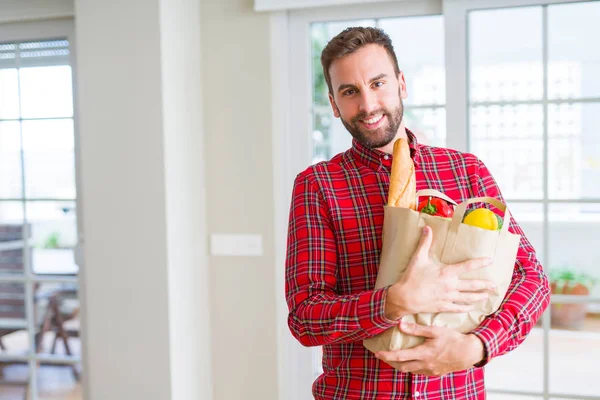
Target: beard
[[383, 135]]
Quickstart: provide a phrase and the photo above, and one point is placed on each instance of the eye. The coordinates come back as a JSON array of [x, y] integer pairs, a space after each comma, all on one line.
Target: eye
[[349, 92], [378, 84]]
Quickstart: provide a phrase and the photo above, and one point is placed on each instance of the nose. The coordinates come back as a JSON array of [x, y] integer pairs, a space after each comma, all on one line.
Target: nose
[[368, 102]]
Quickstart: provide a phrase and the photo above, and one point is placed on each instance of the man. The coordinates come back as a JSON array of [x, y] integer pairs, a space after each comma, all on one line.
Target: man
[[334, 243]]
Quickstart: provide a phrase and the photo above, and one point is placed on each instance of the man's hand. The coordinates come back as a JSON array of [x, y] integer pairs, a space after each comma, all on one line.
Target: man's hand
[[444, 351], [428, 286]]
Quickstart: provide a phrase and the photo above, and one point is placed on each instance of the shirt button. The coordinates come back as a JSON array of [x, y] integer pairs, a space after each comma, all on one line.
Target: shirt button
[[417, 393], [386, 157]]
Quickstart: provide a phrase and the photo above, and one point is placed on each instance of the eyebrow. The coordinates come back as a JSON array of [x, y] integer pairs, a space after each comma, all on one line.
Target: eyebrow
[[349, 85]]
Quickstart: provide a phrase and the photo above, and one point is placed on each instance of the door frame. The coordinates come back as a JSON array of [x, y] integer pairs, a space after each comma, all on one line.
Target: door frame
[[292, 139], [38, 30]]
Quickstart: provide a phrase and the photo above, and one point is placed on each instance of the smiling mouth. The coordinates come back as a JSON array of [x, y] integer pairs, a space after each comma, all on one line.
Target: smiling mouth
[[373, 122]]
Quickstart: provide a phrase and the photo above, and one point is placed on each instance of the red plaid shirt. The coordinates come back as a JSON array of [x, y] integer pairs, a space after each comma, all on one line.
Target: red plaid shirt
[[334, 243]]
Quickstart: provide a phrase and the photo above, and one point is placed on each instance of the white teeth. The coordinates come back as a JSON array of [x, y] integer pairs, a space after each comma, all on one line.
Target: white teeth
[[373, 120]]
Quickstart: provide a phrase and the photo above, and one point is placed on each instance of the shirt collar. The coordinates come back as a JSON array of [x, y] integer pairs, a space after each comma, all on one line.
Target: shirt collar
[[376, 159]]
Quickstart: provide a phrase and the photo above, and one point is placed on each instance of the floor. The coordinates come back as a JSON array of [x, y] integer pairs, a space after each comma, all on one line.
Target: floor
[[55, 382], [573, 368], [573, 359]]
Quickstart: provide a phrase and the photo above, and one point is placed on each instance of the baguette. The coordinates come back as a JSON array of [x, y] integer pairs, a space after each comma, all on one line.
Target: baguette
[[403, 186]]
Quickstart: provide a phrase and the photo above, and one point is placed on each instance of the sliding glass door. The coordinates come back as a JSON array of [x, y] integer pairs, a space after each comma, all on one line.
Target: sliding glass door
[[39, 292], [517, 83]]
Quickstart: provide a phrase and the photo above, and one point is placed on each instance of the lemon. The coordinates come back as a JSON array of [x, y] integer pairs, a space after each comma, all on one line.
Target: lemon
[[482, 218]]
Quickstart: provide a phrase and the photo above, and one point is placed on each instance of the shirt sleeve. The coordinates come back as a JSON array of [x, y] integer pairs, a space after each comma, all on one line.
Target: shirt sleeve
[[317, 315], [528, 294]]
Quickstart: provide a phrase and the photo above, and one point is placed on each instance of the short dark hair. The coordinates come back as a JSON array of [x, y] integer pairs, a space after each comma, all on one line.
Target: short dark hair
[[350, 40]]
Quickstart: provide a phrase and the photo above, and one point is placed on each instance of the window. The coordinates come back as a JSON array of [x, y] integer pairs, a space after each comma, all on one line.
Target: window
[[39, 302], [424, 110], [534, 98], [523, 94]]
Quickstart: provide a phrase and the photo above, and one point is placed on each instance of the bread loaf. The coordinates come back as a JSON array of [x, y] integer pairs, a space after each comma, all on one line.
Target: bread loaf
[[403, 186]]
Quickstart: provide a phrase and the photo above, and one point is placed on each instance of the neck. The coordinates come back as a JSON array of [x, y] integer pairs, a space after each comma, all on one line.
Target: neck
[[389, 148]]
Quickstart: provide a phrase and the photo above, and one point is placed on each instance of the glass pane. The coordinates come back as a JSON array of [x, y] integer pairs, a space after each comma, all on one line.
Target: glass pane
[[574, 150], [11, 238], [14, 381], [498, 396], [574, 250], [506, 66], [11, 185], [57, 382], [59, 319], [330, 137], [58, 335], [321, 34], [424, 71], [530, 218], [509, 140], [574, 61], [317, 361], [528, 359], [428, 124], [54, 235], [46, 92], [13, 319], [49, 158], [332, 28], [574, 350], [9, 93]]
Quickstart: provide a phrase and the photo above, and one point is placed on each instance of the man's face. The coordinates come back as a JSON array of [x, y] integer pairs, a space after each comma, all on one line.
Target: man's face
[[367, 95]]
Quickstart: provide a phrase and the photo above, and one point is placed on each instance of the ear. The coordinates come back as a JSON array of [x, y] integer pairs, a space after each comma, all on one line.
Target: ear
[[334, 107], [402, 83]]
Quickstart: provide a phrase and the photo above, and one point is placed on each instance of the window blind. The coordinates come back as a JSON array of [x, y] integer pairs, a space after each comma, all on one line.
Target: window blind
[[31, 54]]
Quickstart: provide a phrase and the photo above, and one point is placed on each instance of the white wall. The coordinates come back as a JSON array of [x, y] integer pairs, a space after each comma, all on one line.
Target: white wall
[[125, 320], [237, 112], [146, 332], [25, 10], [185, 190]]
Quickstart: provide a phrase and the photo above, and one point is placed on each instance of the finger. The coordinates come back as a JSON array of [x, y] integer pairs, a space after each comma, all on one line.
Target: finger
[[470, 298], [474, 285], [470, 265], [414, 354], [411, 366], [429, 332], [424, 243]]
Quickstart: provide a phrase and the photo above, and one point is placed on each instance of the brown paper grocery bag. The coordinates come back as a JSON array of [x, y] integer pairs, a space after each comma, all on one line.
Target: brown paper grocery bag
[[453, 242]]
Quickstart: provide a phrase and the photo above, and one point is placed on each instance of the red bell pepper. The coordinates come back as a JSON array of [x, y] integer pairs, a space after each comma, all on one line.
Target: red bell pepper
[[436, 207]]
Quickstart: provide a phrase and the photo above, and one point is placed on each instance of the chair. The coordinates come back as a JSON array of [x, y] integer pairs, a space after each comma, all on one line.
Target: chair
[[63, 306]]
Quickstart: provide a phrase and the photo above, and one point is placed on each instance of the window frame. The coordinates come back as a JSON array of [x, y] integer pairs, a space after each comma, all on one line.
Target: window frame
[[59, 28], [292, 140]]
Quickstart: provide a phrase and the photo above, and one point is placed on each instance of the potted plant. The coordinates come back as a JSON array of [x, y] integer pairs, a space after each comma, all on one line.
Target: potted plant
[[567, 281]]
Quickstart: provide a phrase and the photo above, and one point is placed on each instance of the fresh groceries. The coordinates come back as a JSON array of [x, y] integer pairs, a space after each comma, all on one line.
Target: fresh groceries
[[452, 241], [403, 193], [436, 207], [483, 218], [403, 185]]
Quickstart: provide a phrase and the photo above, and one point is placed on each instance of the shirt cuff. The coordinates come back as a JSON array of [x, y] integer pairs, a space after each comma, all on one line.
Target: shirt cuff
[[494, 337], [371, 311]]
